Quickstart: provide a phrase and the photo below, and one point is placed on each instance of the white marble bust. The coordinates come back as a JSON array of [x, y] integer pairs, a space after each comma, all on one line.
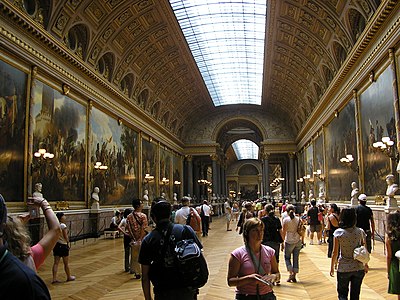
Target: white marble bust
[[354, 193], [392, 187], [95, 198], [38, 191]]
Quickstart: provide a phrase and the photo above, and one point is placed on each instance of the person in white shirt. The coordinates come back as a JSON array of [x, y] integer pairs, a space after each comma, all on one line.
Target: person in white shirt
[[182, 214], [205, 211], [228, 214]]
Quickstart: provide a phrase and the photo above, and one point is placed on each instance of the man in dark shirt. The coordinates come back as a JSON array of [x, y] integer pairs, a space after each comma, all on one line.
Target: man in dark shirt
[[315, 224], [365, 220], [166, 281], [17, 281]]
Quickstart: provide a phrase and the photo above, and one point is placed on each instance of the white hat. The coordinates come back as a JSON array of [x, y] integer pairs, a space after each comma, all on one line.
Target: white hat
[[362, 197]]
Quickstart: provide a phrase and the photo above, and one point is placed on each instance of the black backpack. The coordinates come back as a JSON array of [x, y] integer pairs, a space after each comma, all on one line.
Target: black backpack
[[182, 253]]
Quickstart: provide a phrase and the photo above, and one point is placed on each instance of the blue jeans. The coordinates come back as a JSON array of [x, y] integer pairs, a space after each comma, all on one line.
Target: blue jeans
[[295, 250], [355, 279]]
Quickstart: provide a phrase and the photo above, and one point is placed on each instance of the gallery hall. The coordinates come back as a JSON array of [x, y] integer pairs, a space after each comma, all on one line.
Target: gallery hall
[[216, 108]]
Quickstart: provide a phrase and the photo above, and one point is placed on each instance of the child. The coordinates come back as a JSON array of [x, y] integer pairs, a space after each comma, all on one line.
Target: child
[[61, 250]]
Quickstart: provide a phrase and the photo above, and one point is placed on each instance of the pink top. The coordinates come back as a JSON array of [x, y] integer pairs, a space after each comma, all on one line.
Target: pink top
[[247, 268], [38, 255]]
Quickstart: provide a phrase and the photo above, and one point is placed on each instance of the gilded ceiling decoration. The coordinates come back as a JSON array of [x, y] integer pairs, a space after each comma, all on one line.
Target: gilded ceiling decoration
[[137, 47]]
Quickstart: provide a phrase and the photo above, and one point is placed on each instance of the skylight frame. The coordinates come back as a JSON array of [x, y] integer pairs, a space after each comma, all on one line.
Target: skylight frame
[[227, 42]]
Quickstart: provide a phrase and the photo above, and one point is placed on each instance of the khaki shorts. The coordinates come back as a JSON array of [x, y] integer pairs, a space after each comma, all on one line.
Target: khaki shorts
[[315, 228]]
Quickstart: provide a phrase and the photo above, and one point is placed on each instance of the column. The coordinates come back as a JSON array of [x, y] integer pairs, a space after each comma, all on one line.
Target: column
[[291, 175], [265, 175], [214, 174], [189, 160]]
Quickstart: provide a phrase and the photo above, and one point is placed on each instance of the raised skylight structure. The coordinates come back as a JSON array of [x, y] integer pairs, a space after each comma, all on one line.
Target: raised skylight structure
[[227, 42], [245, 149]]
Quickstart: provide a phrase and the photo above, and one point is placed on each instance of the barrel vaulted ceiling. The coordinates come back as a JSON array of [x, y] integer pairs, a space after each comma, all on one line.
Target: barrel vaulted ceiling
[[137, 47]]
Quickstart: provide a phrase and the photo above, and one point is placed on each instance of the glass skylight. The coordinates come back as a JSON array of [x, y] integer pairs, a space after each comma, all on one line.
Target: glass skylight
[[245, 149], [227, 42]]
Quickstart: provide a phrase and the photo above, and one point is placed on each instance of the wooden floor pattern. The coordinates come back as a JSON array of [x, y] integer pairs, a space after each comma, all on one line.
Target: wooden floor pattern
[[98, 266]]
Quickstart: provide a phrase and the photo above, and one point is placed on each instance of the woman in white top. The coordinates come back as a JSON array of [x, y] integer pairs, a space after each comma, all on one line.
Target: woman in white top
[[61, 250], [292, 244]]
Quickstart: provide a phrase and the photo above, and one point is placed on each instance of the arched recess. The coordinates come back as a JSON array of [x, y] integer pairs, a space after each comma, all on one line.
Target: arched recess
[[339, 52], [249, 168], [155, 109], [233, 129], [143, 98], [126, 84], [40, 10], [105, 65], [173, 125], [165, 118], [77, 39], [328, 74], [356, 23]]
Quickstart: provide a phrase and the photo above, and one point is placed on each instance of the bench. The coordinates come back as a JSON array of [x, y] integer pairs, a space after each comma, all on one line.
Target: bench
[[111, 234]]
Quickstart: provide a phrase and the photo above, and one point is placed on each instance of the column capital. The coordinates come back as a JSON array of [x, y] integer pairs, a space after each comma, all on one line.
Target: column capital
[[214, 157], [292, 155], [264, 155], [189, 157]]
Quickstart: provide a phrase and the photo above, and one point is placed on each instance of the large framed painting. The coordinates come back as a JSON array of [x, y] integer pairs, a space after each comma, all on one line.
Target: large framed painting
[[177, 175], [149, 167], [59, 143], [300, 171], [309, 168], [340, 140], [377, 121], [165, 172], [114, 163], [13, 87], [319, 165]]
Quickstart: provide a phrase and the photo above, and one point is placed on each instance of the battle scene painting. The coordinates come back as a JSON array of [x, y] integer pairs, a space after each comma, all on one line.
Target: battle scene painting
[[165, 173], [149, 165], [377, 119], [13, 85], [319, 165], [340, 140], [59, 129], [177, 175], [115, 151]]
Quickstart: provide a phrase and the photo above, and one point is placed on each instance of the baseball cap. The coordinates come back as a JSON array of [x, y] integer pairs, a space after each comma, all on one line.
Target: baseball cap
[[362, 197]]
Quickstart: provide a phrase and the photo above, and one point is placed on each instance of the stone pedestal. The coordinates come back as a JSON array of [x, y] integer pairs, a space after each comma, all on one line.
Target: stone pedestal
[[391, 203]]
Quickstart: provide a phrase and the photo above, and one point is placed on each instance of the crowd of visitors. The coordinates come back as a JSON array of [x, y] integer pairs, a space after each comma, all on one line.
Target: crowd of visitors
[[253, 268]]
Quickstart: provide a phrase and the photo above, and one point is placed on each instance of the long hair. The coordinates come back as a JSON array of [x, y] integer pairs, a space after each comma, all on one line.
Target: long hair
[[347, 218], [249, 225], [270, 209], [17, 238], [393, 225], [335, 208], [290, 211]]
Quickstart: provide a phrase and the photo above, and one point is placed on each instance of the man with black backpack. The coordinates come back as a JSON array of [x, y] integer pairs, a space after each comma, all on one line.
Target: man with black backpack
[[171, 258]]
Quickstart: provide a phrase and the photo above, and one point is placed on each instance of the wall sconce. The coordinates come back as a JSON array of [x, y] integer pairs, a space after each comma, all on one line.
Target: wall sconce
[[148, 178], [300, 180], [42, 152], [319, 175], [307, 177], [203, 182], [164, 181], [176, 182], [99, 166], [385, 146], [347, 161]]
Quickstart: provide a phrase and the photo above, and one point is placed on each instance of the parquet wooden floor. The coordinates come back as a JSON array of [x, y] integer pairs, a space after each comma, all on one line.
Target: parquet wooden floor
[[98, 266]]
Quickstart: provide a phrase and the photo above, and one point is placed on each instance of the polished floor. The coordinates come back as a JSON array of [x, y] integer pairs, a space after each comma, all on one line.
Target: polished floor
[[98, 266]]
